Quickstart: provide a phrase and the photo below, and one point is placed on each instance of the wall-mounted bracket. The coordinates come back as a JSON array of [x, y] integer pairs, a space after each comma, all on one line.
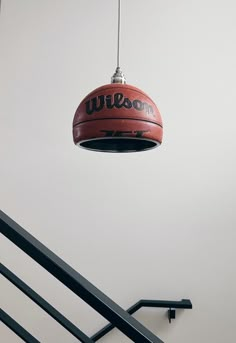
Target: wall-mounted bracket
[[184, 304], [171, 314]]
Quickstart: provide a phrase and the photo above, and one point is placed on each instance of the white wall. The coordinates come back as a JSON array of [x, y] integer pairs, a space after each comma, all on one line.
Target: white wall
[[159, 224]]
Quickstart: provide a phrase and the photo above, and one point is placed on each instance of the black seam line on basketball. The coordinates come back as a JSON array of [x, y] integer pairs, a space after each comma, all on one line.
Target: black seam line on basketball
[[108, 88], [146, 121]]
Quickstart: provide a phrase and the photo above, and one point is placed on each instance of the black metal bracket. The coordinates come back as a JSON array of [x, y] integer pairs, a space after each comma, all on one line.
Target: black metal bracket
[[171, 305], [171, 314]]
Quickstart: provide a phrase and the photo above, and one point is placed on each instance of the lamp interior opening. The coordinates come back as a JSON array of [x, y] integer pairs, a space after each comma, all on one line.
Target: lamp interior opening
[[119, 144]]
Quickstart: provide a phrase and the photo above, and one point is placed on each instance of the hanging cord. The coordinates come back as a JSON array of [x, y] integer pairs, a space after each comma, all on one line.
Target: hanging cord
[[118, 38], [118, 77]]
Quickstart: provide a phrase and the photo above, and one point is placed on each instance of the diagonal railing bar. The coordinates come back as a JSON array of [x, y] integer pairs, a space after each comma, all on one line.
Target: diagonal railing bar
[[17, 328], [184, 304], [76, 282], [29, 292]]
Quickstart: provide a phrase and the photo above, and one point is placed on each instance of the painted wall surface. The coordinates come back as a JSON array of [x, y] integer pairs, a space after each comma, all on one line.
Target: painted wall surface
[[154, 225]]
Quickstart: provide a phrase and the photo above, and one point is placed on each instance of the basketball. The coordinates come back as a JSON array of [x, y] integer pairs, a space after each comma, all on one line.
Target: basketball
[[117, 118]]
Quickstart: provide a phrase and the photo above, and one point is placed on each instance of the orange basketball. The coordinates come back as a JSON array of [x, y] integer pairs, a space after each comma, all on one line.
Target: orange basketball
[[117, 118]]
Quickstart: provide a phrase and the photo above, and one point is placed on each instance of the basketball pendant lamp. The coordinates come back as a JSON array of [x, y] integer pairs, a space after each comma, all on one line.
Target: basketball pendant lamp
[[117, 117]]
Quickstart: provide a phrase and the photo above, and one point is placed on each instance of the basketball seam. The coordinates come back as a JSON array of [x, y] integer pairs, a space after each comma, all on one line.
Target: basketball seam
[[144, 120]]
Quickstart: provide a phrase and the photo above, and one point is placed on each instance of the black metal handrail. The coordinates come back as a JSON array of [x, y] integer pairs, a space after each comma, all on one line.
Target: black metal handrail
[[183, 304], [17, 328], [75, 282], [30, 293]]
